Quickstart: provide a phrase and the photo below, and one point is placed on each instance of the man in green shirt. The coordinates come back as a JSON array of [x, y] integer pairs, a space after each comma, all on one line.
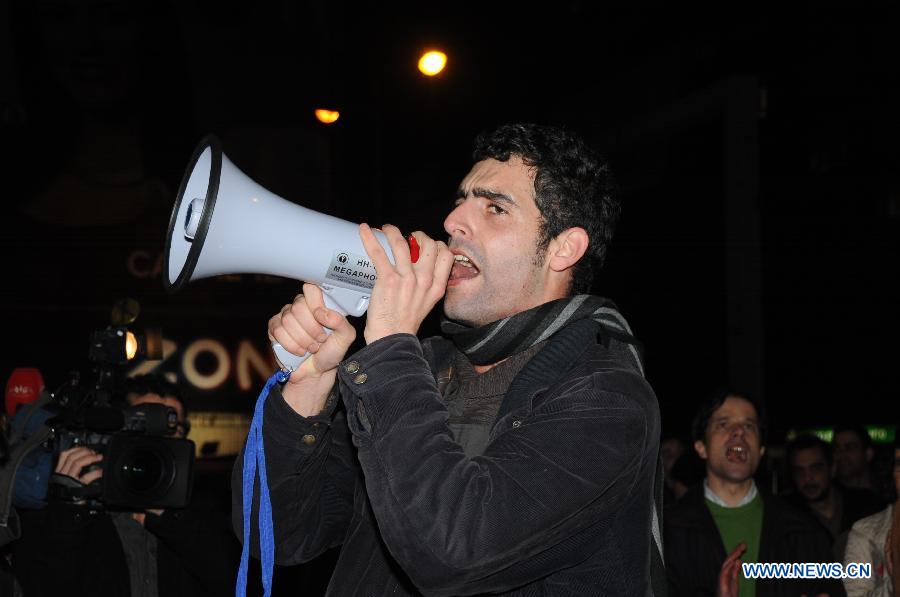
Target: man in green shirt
[[728, 514]]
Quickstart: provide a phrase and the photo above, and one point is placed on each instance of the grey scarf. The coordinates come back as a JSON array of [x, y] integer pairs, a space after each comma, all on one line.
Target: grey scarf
[[498, 340]]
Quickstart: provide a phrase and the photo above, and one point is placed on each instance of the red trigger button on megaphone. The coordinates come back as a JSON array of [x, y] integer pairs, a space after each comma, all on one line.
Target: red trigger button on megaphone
[[413, 248]]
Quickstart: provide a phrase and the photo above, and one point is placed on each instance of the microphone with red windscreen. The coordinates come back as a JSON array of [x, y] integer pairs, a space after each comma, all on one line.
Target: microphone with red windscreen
[[23, 387]]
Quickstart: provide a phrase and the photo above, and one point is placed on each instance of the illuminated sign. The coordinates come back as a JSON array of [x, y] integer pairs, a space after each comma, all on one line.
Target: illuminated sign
[[246, 361], [880, 434]]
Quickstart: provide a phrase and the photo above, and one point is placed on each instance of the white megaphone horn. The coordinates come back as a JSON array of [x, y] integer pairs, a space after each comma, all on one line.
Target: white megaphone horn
[[225, 223]]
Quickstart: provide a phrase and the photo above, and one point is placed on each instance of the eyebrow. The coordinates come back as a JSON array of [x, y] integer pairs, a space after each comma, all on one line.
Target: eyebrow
[[487, 194], [726, 418]]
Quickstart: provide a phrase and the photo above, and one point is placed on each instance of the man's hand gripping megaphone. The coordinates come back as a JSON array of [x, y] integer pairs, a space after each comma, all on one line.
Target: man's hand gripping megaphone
[[406, 289]]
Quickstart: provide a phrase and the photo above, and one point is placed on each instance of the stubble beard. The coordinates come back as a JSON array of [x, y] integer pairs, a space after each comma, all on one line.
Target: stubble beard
[[490, 303]]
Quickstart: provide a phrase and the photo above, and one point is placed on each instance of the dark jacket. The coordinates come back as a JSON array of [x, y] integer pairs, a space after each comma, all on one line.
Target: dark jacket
[[558, 504], [857, 504], [695, 552], [74, 551]]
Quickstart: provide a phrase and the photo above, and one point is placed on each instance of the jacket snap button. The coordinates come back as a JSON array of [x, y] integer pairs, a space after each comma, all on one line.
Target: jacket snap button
[[309, 439], [351, 367], [516, 424], [360, 379]]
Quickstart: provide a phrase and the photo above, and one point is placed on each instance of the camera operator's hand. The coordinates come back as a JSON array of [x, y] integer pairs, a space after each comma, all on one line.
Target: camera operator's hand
[[73, 462], [300, 328]]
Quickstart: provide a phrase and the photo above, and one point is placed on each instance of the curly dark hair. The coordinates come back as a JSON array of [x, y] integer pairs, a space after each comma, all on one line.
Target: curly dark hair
[[573, 187]]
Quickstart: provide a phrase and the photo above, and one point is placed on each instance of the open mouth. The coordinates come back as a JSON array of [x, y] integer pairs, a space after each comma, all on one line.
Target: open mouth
[[736, 453], [463, 268]]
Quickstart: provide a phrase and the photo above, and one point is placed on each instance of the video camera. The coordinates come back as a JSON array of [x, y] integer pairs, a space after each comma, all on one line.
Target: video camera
[[143, 465]]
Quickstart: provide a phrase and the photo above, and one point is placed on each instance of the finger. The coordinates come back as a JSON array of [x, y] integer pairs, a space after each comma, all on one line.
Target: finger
[[425, 244], [61, 460], [427, 250], [374, 250], [91, 476], [424, 268], [275, 322], [342, 330], [66, 457], [738, 551], [726, 580], [731, 576], [728, 572], [443, 265], [84, 461], [399, 247], [727, 564], [287, 328], [315, 298], [297, 342], [301, 320], [74, 466]]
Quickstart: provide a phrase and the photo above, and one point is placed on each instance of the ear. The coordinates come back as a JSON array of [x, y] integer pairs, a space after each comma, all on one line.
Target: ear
[[567, 248], [700, 447]]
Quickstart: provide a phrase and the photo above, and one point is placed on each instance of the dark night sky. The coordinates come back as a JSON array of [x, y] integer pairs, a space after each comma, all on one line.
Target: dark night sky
[[789, 114]]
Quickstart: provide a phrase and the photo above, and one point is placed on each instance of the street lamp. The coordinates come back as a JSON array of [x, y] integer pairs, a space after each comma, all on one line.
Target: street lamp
[[431, 63], [327, 116]]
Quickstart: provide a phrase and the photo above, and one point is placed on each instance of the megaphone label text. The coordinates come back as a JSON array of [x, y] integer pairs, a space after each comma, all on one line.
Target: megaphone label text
[[347, 269]]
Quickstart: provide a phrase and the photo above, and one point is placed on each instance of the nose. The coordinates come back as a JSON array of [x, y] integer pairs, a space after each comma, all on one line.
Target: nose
[[457, 223], [737, 430]]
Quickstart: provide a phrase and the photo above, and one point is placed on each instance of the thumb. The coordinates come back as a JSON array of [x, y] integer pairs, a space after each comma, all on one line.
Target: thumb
[[342, 331]]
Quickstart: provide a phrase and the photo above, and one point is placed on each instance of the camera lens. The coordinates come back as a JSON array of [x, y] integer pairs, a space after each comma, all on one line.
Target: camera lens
[[141, 471]]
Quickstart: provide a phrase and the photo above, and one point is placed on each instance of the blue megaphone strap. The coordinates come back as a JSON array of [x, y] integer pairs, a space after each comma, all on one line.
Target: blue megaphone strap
[[255, 460]]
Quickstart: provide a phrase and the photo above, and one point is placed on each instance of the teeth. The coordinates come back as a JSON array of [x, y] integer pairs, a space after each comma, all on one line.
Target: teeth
[[462, 260]]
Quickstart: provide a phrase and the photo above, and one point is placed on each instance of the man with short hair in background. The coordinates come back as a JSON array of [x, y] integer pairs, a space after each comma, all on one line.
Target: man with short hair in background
[[728, 520], [853, 455], [835, 507]]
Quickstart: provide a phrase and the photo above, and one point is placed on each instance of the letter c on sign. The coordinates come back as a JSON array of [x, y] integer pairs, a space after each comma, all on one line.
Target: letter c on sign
[[200, 380]]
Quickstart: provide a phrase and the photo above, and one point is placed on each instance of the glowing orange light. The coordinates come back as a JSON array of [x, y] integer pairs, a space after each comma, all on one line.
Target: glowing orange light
[[327, 116], [131, 345], [432, 63]]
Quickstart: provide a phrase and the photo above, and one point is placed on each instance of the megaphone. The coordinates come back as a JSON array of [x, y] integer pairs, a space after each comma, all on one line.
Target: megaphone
[[223, 222]]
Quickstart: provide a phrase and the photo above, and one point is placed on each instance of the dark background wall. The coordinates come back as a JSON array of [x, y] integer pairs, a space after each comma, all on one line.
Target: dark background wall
[[755, 151]]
